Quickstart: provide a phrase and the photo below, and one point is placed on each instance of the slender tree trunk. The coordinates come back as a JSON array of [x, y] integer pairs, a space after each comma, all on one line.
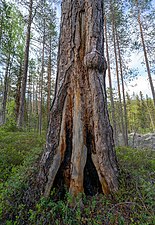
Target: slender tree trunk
[[41, 82], [110, 83], [123, 90], [118, 80], [38, 100], [5, 92], [29, 103], [34, 113], [49, 84], [33, 99], [146, 58], [79, 153], [18, 90], [37, 105], [26, 59], [40, 104], [1, 27]]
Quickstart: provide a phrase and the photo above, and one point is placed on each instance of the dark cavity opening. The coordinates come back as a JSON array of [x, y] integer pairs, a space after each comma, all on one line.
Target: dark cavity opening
[[60, 182], [91, 181], [92, 185]]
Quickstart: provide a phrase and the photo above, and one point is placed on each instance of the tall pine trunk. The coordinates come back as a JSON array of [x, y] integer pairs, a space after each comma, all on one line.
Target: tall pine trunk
[[110, 83], [25, 69], [123, 90], [49, 82], [146, 59], [145, 52], [29, 102], [79, 153], [41, 81], [1, 26], [18, 90], [117, 75]]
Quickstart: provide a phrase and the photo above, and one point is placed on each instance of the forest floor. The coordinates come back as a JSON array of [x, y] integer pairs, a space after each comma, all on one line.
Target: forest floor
[[133, 204]]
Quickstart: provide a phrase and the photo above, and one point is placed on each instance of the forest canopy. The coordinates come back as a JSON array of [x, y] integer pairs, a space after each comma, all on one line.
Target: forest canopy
[[129, 47]]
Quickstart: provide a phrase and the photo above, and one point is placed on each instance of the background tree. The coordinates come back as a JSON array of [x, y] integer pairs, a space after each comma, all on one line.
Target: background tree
[[15, 35], [138, 10], [113, 118], [25, 69], [10, 48]]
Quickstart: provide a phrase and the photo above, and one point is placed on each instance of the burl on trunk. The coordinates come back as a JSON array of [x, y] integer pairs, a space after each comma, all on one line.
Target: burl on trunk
[[79, 154]]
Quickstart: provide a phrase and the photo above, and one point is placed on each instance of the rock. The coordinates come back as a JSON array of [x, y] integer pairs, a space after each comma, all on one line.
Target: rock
[[140, 140]]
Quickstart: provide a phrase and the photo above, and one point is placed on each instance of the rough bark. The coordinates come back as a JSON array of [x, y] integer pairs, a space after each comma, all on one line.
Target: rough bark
[[25, 69], [79, 153]]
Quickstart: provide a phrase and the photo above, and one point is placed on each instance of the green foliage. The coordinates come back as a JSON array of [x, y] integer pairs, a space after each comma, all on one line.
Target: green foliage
[[17, 164], [137, 183], [10, 124], [13, 23], [14, 147], [133, 204], [140, 114], [12, 31]]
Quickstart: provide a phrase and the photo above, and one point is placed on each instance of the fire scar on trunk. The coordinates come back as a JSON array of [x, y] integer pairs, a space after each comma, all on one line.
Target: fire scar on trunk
[[79, 154]]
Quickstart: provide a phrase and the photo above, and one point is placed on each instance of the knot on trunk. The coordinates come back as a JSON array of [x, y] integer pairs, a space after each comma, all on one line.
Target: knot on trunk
[[94, 60]]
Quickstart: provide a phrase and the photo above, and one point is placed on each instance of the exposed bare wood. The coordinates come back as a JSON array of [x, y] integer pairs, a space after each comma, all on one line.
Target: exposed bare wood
[[79, 153]]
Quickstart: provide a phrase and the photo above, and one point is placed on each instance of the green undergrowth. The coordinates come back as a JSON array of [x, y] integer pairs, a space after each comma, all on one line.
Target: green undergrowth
[[19, 152], [134, 203], [14, 148]]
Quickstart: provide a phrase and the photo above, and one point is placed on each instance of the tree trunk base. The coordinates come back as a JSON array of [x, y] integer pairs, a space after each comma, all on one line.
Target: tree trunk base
[[79, 154]]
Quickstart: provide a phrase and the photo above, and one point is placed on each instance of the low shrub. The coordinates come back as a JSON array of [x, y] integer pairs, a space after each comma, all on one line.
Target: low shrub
[[132, 204]]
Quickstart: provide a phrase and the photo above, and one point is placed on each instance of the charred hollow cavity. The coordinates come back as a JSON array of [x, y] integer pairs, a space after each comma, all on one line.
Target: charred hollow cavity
[[91, 183]]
